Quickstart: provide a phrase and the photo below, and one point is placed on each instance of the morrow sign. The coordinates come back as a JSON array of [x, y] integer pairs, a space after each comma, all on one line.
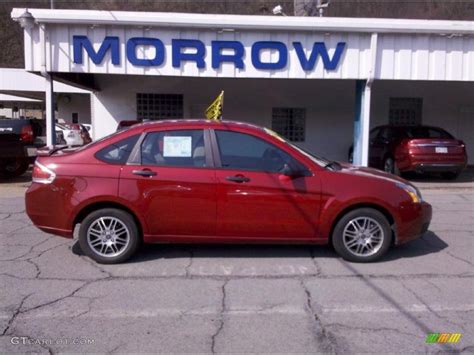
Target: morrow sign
[[193, 50]]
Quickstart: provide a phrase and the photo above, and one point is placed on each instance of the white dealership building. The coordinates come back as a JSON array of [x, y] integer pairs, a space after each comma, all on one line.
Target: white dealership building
[[322, 82]]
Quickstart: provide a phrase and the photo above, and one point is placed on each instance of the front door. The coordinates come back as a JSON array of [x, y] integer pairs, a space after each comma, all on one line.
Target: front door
[[254, 199], [173, 184]]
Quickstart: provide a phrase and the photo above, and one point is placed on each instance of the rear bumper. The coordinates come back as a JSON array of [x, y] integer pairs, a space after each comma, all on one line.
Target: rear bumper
[[46, 208], [438, 167], [417, 219]]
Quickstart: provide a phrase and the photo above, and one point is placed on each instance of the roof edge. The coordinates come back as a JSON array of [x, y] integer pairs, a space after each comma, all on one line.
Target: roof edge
[[247, 22]]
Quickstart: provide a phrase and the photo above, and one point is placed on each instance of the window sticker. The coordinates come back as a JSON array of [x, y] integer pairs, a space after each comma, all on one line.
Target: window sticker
[[174, 147]]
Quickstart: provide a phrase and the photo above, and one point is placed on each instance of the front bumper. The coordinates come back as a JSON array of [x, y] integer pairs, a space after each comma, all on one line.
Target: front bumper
[[416, 219]]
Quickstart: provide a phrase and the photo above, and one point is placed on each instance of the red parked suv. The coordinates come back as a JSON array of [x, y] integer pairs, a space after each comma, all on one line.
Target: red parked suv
[[421, 149], [217, 182]]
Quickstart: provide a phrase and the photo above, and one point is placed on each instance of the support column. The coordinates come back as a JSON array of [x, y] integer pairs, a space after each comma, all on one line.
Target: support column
[[362, 110], [362, 124], [49, 101]]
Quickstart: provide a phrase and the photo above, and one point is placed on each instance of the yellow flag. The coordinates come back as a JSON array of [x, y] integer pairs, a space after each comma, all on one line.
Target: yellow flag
[[214, 111]]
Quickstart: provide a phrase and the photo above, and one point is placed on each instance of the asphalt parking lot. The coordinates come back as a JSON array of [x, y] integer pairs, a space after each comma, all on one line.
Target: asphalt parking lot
[[189, 298]]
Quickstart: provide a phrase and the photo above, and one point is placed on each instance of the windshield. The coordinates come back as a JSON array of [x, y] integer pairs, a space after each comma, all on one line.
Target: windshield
[[323, 162]]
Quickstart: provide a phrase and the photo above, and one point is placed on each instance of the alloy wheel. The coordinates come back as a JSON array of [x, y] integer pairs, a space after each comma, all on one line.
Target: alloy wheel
[[108, 236], [363, 236]]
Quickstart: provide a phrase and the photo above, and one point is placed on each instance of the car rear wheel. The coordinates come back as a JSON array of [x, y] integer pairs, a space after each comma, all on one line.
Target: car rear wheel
[[109, 236], [389, 166], [362, 235], [15, 167]]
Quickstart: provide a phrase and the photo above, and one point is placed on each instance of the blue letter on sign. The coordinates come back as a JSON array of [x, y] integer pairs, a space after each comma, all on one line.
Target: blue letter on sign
[[319, 49], [132, 44], [179, 56], [79, 42], [279, 46], [236, 57]]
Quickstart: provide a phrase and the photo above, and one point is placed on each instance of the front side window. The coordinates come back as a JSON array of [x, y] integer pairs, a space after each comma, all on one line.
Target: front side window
[[245, 152], [183, 148], [118, 152]]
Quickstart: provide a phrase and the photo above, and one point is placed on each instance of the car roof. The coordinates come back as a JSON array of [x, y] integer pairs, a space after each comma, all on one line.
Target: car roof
[[205, 123], [406, 126]]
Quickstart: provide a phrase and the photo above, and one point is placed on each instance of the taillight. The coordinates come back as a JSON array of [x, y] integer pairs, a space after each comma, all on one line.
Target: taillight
[[42, 174], [26, 134]]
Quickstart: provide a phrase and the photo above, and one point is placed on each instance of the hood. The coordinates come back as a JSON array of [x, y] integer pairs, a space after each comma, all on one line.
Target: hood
[[347, 168]]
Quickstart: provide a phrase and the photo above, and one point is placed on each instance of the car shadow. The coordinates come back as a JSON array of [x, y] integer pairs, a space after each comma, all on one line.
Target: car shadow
[[430, 243]]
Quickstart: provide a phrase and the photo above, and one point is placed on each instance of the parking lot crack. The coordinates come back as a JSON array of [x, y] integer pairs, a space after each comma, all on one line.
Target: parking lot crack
[[315, 263], [96, 266], [428, 307], [15, 314], [325, 339], [222, 312], [459, 258], [71, 294], [188, 266]]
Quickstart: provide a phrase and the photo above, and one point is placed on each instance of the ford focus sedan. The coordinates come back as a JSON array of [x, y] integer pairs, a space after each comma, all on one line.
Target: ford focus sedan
[[199, 181]]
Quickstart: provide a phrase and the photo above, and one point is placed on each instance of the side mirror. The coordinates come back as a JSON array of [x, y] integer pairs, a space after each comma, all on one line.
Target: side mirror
[[288, 171]]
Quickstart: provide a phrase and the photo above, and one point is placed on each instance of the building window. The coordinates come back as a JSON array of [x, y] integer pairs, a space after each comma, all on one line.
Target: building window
[[159, 106], [289, 122], [405, 111]]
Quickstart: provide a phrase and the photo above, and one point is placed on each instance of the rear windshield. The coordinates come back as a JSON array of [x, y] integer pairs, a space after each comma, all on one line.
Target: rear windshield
[[427, 132]]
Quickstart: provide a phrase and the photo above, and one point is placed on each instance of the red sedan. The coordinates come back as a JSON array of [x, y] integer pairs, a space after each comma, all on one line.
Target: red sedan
[[421, 149], [217, 182]]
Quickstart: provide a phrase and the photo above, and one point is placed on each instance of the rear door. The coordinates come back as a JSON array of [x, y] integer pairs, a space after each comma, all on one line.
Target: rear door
[[171, 180], [254, 199]]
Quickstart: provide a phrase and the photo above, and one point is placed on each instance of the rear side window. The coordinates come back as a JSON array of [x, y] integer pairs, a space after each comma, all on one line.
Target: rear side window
[[118, 152], [180, 148]]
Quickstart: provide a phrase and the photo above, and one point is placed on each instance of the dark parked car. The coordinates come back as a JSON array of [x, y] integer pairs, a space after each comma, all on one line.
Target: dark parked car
[[19, 140], [421, 149], [184, 181]]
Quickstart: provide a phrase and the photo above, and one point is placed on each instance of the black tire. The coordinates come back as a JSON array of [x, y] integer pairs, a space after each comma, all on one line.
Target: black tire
[[390, 166], [112, 214], [450, 175], [15, 167], [382, 224]]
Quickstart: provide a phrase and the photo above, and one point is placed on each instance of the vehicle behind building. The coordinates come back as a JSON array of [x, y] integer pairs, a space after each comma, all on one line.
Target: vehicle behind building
[[420, 149]]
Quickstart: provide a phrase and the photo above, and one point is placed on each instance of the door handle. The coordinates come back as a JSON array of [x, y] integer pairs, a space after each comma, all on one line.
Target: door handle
[[237, 178], [144, 172]]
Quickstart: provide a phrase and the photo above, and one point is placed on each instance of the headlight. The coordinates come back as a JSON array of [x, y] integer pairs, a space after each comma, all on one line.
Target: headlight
[[412, 191]]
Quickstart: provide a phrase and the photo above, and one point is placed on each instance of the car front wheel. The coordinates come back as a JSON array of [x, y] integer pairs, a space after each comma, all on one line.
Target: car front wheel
[[362, 235], [109, 236]]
